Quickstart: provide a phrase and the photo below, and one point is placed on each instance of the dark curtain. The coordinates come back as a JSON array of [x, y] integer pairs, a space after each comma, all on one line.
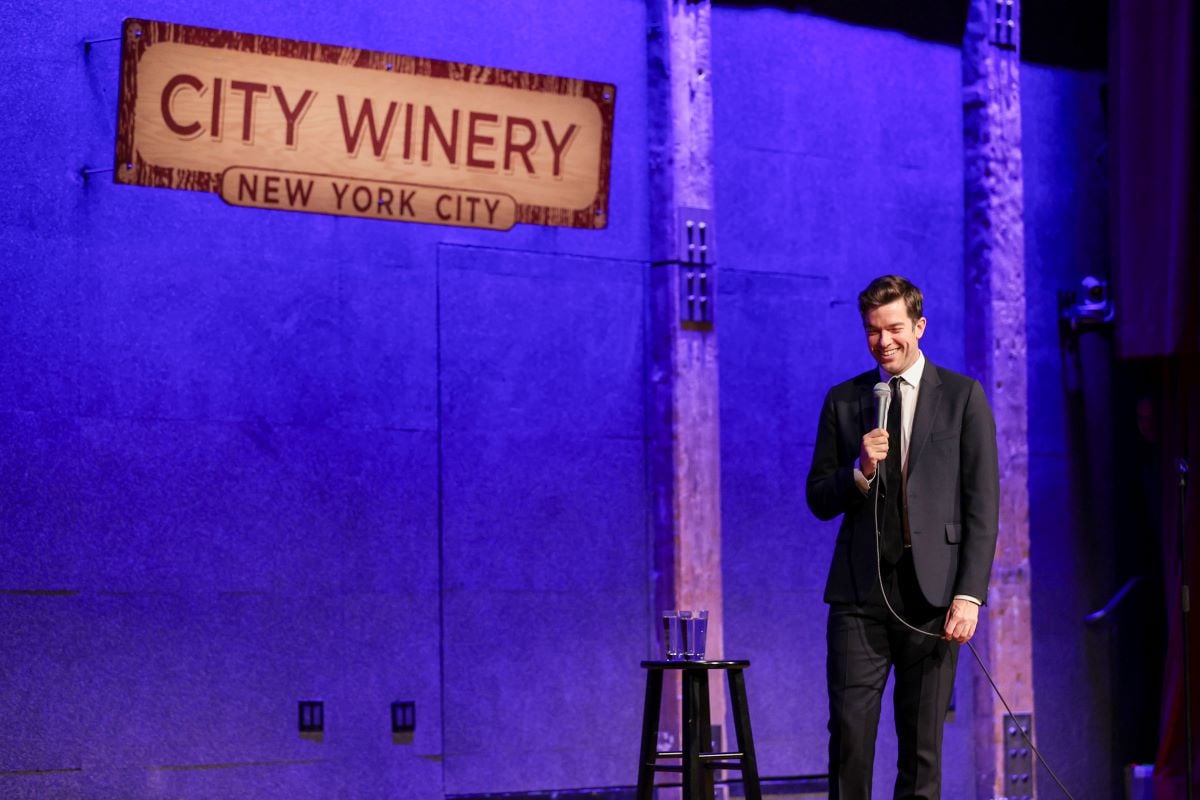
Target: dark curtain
[[1179, 440], [1152, 78], [1152, 88]]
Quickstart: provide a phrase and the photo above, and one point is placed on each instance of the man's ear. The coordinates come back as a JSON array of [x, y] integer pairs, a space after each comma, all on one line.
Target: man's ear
[[919, 327]]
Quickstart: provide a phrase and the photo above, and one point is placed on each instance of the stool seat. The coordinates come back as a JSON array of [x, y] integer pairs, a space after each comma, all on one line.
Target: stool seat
[[697, 762], [695, 664]]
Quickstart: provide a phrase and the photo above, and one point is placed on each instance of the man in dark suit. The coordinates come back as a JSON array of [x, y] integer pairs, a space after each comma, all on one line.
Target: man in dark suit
[[919, 501]]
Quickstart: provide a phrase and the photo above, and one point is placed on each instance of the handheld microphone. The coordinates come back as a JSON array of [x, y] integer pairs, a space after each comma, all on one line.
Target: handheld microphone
[[883, 402]]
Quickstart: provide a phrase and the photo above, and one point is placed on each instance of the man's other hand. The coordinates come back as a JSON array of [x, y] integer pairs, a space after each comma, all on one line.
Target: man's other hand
[[961, 620]]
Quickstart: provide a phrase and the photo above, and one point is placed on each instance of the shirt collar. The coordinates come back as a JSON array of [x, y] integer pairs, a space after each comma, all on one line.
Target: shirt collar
[[911, 376]]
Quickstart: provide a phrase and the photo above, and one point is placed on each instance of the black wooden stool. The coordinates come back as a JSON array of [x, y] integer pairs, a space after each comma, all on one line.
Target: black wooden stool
[[697, 762]]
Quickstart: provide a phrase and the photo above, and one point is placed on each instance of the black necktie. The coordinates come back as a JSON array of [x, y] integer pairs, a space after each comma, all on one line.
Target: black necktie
[[895, 460], [894, 527]]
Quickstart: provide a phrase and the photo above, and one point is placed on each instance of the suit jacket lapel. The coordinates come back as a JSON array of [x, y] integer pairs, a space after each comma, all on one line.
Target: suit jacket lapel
[[866, 399], [928, 400]]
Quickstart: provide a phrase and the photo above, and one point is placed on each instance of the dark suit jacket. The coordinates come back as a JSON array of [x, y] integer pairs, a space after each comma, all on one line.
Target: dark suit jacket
[[953, 487]]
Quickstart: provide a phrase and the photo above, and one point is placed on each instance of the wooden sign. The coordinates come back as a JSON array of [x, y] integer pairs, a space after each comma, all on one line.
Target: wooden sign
[[282, 124]]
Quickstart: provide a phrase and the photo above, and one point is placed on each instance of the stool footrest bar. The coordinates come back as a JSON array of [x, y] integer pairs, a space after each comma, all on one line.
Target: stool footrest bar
[[703, 756], [707, 765]]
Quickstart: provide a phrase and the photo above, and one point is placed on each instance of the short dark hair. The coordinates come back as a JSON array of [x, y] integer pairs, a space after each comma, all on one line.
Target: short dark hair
[[888, 289]]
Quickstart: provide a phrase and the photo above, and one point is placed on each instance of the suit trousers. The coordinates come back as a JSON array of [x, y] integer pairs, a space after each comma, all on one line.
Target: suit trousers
[[865, 643]]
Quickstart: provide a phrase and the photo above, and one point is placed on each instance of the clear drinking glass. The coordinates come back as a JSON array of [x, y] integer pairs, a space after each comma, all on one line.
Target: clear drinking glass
[[695, 632], [672, 635]]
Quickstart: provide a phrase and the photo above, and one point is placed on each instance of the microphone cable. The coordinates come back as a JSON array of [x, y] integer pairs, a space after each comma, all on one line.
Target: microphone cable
[[974, 652]]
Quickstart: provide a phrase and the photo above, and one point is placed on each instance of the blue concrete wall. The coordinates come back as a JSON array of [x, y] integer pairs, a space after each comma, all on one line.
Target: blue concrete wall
[[242, 453], [546, 604], [839, 159], [1072, 496]]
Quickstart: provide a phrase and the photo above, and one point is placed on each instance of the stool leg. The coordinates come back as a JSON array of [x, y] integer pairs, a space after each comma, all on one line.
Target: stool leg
[[708, 776], [649, 750], [741, 725], [691, 743], [695, 732]]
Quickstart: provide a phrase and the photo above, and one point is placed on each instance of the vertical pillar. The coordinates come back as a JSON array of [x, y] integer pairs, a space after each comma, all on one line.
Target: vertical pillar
[[681, 395], [996, 350]]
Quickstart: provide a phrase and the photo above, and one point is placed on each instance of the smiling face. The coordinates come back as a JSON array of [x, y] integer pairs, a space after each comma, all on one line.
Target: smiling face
[[893, 336]]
